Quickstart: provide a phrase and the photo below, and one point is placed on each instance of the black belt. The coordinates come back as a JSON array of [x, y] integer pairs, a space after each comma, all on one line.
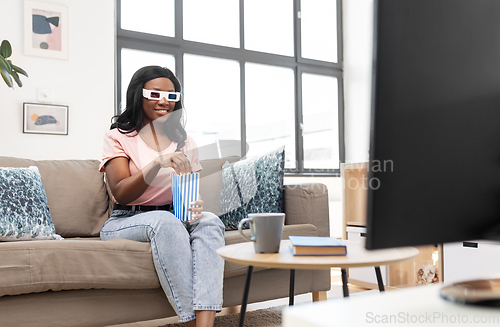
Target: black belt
[[167, 207]]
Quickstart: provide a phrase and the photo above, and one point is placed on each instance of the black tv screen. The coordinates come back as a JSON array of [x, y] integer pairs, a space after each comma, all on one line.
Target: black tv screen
[[434, 168]]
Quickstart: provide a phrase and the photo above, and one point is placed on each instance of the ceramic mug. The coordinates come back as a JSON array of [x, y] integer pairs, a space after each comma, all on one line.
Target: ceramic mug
[[266, 230]]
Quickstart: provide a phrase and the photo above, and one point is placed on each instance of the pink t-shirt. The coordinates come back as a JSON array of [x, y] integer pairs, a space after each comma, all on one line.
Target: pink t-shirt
[[132, 147]]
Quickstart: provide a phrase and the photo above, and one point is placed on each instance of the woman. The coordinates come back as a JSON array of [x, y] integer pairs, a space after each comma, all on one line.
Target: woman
[[145, 144]]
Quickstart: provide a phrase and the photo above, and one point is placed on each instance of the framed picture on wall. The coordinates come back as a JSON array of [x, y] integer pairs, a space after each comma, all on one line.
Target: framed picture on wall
[[45, 30], [45, 118]]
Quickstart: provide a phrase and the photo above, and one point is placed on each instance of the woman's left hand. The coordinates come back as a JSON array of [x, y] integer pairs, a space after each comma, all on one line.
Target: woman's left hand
[[196, 209]]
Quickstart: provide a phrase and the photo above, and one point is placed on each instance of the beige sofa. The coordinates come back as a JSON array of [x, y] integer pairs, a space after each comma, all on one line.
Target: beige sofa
[[83, 281]]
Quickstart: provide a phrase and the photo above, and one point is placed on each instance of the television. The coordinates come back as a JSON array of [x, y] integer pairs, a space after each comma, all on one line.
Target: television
[[434, 167]]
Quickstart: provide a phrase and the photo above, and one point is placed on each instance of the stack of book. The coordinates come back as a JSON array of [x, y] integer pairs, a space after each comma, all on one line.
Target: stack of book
[[317, 245]]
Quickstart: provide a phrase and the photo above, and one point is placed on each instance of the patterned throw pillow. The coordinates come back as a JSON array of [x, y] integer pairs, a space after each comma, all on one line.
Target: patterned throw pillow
[[252, 186], [24, 211]]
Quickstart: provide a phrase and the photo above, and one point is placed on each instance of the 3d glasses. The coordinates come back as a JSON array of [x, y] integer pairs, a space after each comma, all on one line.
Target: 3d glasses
[[158, 95]]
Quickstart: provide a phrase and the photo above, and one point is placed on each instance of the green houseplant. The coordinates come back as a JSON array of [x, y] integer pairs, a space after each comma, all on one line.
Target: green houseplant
[[8, 70]]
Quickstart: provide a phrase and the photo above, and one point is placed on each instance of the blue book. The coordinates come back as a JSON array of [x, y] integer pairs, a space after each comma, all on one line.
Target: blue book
[[317, 245]]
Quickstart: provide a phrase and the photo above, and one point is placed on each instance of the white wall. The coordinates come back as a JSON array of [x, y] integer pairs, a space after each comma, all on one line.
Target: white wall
[[358, 42], [84, 82]]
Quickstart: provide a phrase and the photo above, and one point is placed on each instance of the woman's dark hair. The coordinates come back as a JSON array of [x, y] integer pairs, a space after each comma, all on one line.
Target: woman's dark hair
[[132, 117]]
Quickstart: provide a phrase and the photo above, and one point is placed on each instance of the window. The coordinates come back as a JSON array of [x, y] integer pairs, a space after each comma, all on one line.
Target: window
[[320, 124], [204, 21], [269, 26], [264, 72], [212, 98], [270, 118], [318, 15], [148, 16]]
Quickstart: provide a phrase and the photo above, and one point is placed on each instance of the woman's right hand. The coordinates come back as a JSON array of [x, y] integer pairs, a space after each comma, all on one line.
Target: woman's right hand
[[127, 188], [177, 160]]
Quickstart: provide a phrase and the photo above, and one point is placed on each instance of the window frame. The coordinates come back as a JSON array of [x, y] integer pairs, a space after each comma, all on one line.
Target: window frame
[[177, 47]]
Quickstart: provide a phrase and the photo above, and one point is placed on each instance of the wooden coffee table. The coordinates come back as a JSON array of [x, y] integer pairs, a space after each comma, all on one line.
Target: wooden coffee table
[[357, 256]]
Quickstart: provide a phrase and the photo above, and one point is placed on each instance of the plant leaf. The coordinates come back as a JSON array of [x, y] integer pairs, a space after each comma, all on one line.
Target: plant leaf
[[4, 64], [19, 70], [16, 78], [6, 77], [7, 65], [5, 49]]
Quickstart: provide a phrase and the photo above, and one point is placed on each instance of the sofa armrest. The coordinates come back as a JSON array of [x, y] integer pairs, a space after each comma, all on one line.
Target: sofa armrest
[[307, 204]]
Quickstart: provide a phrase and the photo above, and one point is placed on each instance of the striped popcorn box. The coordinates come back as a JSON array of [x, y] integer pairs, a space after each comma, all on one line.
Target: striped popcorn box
[[185, 190]]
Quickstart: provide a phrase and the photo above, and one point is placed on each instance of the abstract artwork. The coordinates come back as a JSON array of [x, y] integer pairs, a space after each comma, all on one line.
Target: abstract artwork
[[45, 30], [45, 118]]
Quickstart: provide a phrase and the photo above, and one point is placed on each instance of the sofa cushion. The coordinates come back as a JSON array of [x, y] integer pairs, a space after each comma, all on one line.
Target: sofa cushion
[[78, 200], [252, 186], [70, 264], [24, 212]]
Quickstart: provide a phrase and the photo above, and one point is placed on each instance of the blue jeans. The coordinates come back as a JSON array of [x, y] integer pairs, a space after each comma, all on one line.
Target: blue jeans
[[189, 269]]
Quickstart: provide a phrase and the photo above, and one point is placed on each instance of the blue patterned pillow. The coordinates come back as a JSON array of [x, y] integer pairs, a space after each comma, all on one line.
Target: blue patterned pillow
[[24, 211], [252, 186]]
